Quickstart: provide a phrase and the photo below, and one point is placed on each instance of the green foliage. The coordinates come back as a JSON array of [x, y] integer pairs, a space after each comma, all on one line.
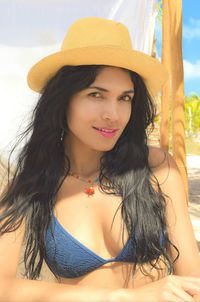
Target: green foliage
[[192, 146], [192, 114], [159, 9], [192, 129]]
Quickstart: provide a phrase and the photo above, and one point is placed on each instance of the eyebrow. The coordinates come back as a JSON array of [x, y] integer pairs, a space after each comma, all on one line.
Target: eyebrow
[[103, 89]]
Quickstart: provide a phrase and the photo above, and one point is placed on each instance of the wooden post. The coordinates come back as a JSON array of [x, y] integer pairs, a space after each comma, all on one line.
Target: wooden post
[[166, 93], [173, 91], [177, 77]]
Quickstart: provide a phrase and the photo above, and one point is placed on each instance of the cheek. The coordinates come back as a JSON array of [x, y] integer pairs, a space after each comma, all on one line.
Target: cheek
[[79, 115], [125, 115]]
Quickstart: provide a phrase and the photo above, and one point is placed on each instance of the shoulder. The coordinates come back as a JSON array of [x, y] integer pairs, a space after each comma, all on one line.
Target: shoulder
[[159, 157], [166, 171], [163, 166]]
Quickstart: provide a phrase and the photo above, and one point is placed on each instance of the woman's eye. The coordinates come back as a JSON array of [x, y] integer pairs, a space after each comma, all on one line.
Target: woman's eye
[[95, 94], [127, 98]]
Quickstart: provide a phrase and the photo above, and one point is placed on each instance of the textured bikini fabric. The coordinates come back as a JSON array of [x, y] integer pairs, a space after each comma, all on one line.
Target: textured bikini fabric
[[69, 258]]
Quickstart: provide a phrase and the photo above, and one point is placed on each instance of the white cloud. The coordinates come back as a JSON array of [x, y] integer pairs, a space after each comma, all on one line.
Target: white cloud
[[192, 30], [191, 70]]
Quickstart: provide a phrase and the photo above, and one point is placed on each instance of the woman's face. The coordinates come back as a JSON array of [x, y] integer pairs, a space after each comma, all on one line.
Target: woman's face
[[106, 104]]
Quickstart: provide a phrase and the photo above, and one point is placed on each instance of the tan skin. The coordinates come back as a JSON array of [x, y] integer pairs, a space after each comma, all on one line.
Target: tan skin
[[84, 146]]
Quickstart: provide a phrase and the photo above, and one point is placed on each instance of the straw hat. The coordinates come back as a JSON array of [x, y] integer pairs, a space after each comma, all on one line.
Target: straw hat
[[98, 41]]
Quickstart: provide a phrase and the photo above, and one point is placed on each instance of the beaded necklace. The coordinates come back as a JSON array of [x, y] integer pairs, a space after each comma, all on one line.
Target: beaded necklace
[[89, 190]]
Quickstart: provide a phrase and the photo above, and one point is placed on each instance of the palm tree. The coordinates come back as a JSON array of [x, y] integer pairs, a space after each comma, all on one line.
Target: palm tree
[[192, 114]]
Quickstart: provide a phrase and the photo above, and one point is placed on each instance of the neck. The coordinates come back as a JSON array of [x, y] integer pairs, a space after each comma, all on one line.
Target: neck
[[85, 177], [84, 162]]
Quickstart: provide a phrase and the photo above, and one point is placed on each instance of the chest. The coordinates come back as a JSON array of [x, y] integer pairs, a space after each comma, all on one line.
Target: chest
[[89, 219]]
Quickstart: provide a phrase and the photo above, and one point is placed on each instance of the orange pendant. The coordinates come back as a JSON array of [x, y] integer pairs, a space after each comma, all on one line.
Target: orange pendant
[[89, 191]]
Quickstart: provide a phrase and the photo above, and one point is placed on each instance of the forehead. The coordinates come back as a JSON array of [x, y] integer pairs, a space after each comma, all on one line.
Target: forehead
[[114, 75]]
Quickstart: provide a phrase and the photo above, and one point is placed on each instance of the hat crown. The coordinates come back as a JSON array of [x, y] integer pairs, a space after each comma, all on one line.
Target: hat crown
[[98, 41], [92, 31]]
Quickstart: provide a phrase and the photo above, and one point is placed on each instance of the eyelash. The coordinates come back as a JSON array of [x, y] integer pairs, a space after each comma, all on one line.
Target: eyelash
[[94, 93]]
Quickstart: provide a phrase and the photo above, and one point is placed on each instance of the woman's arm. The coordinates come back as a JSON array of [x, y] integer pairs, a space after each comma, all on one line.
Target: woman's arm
[[171, 288], [24, 290], [179, 224]]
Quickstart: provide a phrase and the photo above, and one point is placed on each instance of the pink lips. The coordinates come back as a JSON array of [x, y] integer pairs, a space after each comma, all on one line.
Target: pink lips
[[106, 134]]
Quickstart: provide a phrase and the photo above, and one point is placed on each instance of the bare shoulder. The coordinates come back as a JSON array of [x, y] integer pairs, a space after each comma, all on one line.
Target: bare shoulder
[[166, 171], [163, 166]]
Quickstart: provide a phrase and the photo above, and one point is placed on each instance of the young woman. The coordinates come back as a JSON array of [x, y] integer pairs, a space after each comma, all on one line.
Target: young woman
[[104, 210]]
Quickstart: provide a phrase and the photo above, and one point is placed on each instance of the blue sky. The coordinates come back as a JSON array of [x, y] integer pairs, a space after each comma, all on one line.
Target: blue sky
[[191, 46], [191, 43]]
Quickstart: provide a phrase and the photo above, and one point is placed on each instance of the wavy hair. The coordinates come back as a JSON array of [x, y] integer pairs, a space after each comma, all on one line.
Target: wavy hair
[[42, 166]]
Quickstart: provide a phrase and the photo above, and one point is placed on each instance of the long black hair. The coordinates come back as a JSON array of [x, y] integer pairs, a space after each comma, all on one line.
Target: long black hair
[[42, 166]]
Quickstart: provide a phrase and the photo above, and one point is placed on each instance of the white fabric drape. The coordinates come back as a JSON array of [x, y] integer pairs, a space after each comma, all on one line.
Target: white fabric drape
[[32, 29]]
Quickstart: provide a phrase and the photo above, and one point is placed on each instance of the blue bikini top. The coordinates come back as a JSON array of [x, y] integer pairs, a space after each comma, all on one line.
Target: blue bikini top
[[69, 258]]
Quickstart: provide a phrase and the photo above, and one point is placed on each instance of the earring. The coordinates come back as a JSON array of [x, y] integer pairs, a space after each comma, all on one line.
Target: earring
[[62, 135]]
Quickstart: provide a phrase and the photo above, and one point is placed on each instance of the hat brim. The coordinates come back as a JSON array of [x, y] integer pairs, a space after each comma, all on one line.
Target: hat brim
[[151, 70]]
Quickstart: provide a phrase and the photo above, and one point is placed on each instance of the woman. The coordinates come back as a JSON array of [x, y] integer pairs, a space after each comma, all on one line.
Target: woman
[[89, 196]]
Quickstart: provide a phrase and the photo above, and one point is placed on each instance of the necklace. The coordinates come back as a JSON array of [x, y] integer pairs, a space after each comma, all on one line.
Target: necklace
[[89, 190]]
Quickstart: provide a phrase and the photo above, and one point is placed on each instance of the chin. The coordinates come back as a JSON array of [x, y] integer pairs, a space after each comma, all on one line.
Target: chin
[[106, 148]]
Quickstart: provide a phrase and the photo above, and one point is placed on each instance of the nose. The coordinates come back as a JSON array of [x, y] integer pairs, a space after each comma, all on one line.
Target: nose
[[111, 111]]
